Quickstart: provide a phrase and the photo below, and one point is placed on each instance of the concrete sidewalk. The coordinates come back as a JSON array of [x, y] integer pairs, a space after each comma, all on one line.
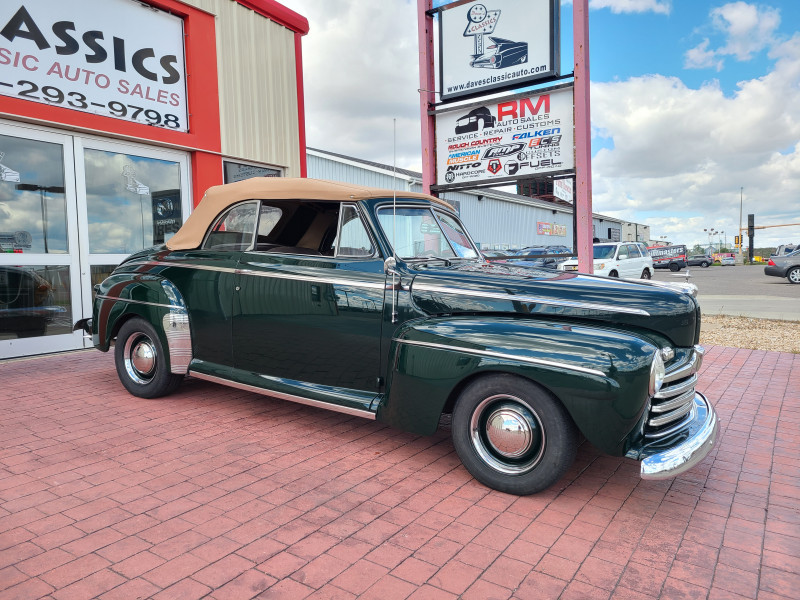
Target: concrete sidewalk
[[218, 493]]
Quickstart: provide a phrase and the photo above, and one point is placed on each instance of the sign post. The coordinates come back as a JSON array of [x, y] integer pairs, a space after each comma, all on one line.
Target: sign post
[[583, 140]]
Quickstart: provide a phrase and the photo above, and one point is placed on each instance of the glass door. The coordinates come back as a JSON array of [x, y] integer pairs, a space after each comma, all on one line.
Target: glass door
[[39, 257], [130, 197]]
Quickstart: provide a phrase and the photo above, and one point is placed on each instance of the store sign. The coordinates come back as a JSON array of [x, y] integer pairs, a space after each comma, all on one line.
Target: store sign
[[510, 140], [497, 44], [551, 229], [116, 58], [562, 188]]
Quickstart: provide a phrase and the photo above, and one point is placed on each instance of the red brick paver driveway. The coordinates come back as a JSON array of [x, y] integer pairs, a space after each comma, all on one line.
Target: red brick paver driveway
[[218, 493]]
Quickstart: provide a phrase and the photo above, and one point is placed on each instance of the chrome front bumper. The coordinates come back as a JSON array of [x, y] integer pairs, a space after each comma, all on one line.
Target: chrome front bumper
[[674, 461]]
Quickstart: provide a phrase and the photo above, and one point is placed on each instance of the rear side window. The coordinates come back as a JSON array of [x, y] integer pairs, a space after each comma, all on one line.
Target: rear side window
[[233, 230]]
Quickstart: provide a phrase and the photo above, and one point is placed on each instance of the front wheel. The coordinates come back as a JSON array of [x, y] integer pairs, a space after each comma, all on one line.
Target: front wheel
[[793, 275], [613, 274], [141, 361], [674, 267], [512, 436], [704, 264], [646, 274]]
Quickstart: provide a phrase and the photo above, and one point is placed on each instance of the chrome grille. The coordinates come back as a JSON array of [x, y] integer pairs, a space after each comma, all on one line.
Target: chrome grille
[[671, 408]]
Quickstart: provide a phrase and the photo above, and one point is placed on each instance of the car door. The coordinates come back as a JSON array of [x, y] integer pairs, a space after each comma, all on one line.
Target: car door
[[635, 263], [205, 278], [309, 299]]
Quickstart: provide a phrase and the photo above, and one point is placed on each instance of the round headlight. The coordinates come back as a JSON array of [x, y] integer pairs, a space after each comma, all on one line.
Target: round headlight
[[656, 374]]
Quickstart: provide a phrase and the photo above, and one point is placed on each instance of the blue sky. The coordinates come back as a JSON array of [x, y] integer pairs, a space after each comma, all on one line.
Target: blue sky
[[691, 100]]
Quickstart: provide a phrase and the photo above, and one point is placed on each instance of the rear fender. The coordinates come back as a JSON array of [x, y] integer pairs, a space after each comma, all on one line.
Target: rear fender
[[601, 376], [151, 297]]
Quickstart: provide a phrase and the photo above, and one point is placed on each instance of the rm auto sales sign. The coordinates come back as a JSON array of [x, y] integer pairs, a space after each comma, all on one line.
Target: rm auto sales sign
[[520, 137], [115, 58]]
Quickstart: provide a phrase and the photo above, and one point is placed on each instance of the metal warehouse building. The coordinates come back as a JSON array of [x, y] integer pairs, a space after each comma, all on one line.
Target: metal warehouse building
[[496, 219]]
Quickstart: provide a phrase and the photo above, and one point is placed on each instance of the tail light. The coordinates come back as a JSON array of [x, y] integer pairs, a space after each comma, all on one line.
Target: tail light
[[771, 263]]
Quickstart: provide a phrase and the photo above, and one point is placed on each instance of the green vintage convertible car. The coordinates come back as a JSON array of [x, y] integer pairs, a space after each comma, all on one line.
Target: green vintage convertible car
[[381, 306]]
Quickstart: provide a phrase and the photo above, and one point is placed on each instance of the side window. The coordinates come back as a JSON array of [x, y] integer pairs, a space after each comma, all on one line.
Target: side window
[[634, 252], [353, 239], [233, 230], [298, 227], [623, 252]]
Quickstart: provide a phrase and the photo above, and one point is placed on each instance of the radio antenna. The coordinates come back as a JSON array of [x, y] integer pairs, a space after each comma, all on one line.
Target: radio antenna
[[394, 217]]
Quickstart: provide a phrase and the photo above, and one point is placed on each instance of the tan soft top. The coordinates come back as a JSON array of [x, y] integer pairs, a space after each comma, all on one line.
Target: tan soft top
[[219, 197]]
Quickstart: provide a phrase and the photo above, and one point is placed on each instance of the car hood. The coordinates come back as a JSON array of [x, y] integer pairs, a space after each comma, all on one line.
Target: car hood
[[483, 287]]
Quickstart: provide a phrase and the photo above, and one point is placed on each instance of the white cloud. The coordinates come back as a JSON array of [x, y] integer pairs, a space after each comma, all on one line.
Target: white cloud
[[747, 28], [631, 6], [700, 57], [684, 151]]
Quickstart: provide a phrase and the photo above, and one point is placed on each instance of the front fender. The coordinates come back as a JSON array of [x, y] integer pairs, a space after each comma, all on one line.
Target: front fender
[[600, 375], [151, 297]]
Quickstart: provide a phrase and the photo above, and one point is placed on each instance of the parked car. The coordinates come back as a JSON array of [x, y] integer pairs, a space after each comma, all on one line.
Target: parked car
[[343, 297], [787, 266], [699, 260], [504, 53], [617, 259], [728, 261]]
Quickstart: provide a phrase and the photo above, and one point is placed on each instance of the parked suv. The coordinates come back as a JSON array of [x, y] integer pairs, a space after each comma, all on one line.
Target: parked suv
[[617, 259], [700, 260]]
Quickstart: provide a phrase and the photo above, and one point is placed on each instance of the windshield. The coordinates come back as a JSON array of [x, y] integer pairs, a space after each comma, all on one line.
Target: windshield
[[604, 251], [421, 234]]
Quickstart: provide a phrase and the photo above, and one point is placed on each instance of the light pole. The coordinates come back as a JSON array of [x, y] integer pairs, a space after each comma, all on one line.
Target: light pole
[[741, 196]]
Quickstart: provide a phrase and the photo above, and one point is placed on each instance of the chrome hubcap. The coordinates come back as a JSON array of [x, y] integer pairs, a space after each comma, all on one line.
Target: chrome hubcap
[[140, 358], [795, 275], [507, 434]]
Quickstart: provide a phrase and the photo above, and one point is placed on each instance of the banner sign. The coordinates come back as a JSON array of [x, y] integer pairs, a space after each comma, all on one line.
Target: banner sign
[[551, 229], [497, 44], [116, 58], [525, 136]]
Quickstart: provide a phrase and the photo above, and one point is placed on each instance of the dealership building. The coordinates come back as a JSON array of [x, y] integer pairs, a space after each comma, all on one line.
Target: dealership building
[[115, 116]]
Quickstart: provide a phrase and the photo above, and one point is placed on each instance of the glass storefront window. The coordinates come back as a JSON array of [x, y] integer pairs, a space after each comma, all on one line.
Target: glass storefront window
[[33, 206], [133, 202], [34, 301]]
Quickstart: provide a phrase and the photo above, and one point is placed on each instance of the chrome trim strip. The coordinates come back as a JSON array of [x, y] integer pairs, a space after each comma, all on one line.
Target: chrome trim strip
[[669, 431], [162, 263], [689, 368], [324, 280], [492, 354], [686, 455], [274, 274], [179, 309], [425, 287], [671, 416], [674, 403], [282, 396], [680, 388]]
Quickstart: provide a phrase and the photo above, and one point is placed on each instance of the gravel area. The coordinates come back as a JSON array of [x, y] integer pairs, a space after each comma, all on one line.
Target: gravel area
[[754, 334]]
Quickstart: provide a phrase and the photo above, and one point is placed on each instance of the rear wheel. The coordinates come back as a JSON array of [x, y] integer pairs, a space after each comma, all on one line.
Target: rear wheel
[[141, 361], [646, 274], [704, 264], [513, 436], [793, 275], [674, 267], [613, 274]]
